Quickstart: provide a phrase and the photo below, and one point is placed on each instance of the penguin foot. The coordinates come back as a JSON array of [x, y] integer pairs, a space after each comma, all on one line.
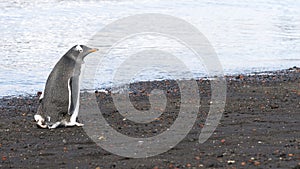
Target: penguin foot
[[71, 124], [40, 121], [55, 125], [43, 126], [79, 124]]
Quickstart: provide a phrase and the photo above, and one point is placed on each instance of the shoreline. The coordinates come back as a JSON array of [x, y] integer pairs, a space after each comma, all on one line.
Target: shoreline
[[259, 129], [260, 75]]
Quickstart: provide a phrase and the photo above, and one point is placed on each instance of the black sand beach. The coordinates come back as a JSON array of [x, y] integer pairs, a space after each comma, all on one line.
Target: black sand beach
[[259, 129]]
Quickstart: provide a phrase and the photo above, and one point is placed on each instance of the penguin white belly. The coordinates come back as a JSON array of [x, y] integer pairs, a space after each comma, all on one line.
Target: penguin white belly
[[76, 111]]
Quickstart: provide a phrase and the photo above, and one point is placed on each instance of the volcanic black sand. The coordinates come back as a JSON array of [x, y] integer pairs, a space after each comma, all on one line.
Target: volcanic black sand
[[259, 129]]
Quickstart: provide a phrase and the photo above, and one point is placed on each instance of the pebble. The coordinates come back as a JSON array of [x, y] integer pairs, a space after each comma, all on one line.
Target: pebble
[[256, 163], [171, 166], [4, 158], [274, 106], [230, 161], [101, 138]]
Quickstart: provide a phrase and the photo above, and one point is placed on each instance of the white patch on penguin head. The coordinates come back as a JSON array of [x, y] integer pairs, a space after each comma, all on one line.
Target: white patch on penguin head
[[79, 48]]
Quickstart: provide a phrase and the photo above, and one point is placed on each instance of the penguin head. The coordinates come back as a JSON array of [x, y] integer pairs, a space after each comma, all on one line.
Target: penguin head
[[81, 51]]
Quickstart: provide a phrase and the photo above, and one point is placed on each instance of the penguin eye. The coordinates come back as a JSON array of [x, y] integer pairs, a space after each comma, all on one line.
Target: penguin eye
[[78, 48]]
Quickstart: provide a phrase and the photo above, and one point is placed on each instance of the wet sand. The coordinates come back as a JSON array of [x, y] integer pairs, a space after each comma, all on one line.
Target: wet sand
[[259, 129]]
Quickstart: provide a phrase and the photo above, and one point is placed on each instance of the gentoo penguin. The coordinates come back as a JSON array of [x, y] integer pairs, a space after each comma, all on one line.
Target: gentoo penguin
[[59, 103]]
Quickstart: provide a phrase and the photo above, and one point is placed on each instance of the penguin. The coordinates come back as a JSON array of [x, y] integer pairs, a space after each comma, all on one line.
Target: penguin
[[59, 103]]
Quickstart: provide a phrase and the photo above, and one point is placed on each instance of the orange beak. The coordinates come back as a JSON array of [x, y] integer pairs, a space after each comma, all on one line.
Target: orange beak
[[93, 50]]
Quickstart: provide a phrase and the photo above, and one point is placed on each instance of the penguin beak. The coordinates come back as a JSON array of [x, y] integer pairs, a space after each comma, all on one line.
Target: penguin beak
[[93, 50]]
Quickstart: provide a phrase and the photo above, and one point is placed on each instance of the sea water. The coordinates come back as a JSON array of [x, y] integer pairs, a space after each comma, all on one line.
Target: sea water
[[247, 36]]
